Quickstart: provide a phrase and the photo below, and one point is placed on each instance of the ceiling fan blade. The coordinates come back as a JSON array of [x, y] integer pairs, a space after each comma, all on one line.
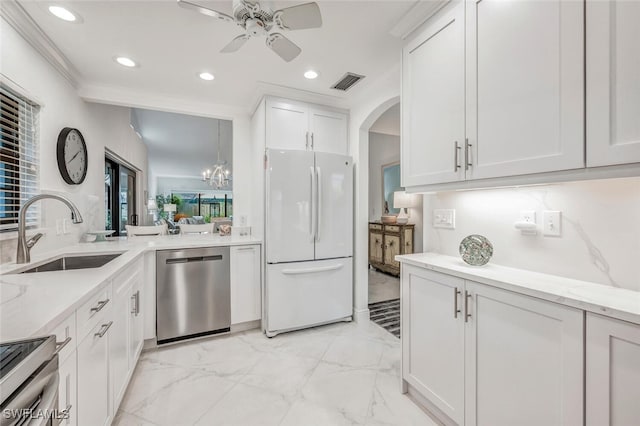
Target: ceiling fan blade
[[284, 47], [299, 17], [205, 11], [235, 44]]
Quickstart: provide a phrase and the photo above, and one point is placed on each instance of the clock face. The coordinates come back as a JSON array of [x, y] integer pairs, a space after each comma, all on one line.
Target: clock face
[[72, 156], [75, 156]]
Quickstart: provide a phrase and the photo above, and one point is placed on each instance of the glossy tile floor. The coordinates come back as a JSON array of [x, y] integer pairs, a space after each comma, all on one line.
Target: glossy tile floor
[[382, 286], [341, 374]]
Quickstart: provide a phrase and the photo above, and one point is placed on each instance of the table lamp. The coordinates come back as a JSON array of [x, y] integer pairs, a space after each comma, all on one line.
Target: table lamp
[[171, 209], [402, 201]]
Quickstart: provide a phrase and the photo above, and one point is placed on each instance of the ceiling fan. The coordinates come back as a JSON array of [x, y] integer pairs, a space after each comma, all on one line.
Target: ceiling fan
[[261, 21]]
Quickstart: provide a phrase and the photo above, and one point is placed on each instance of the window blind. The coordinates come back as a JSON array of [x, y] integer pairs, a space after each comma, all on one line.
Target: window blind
[[18, 158]]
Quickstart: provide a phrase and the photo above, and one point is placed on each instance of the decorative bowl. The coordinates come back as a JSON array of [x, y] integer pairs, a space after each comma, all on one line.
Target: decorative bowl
[[389, 219], [476, 250]]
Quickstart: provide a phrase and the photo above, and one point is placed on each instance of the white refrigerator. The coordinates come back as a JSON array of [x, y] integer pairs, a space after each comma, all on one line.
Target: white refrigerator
[[308, 239]]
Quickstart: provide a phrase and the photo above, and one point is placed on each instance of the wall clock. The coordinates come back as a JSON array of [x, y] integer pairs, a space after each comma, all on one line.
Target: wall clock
[[72, 156]]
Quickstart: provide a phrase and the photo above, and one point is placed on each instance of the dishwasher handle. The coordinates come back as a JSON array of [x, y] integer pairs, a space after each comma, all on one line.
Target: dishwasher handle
[[193, 259]]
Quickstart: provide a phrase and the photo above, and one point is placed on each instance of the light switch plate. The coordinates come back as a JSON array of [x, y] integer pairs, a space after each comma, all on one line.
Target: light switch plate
[[552, 223], [444, 218]]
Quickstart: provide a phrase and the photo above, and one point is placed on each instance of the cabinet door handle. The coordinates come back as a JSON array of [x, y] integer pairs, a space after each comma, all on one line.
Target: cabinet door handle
[[456, 310], [467, 315], [311, 140], [456, 156], [137, 302], [306, 143], [134, 308], [245, 248], [104, 329], [101, 304], [467, 156], [60, 345]]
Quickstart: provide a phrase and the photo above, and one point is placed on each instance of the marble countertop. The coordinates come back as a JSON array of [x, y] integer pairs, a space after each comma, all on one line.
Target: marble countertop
[[592, 297], [33, 304]]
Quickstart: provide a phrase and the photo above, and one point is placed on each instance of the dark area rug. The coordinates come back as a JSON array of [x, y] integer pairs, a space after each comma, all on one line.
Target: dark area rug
[[387, 315]]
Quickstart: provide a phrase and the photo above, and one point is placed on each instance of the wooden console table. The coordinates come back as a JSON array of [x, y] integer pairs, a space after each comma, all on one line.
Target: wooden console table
[[387, 241]]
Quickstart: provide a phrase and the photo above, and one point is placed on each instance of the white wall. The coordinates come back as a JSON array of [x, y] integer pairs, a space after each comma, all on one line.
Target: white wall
[[600, 239], [102, 127]]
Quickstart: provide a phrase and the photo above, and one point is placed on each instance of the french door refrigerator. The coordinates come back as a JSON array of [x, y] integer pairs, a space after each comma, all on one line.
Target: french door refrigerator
[[308, 239]]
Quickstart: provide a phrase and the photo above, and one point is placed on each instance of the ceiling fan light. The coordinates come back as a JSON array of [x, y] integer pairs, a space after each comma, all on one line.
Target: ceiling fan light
[[62, 13], [126, 62], [310, 74], [207, 76]]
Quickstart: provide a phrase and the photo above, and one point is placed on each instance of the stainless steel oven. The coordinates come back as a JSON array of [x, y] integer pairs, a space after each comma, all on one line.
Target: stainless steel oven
[[29, 383]]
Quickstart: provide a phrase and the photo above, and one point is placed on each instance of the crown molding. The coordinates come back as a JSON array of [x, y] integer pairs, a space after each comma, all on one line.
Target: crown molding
[[416, 16], [264, 88], [23, 23]]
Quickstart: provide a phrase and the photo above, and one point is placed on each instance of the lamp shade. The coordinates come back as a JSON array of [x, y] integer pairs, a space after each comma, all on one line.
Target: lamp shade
[[152, 206], [170, 208], [403, 200]]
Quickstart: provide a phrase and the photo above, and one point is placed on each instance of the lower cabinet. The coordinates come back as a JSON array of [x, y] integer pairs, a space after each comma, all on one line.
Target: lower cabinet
[[94, 399], [613, 372], [246, 293], [68, 390], [480, 355]]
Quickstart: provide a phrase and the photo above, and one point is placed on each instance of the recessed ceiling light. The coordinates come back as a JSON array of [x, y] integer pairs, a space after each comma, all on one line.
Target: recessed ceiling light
[[206, 76], [62, 13], [311, 74], [126, 62]]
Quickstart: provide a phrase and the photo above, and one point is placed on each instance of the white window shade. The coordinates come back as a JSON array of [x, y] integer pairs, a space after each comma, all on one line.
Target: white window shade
[[18, 158]]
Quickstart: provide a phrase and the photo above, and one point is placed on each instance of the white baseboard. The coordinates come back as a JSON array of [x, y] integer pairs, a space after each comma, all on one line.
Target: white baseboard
[[361, 315]]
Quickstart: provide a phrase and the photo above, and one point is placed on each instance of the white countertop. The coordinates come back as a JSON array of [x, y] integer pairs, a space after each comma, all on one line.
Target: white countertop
[[33, 304], [598, 298]]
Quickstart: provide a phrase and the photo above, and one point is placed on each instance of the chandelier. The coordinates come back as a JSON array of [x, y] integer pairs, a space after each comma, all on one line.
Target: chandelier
[[218, 176]]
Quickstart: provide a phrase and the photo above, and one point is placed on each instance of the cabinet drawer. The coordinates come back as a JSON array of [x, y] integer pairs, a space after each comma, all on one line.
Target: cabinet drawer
[[66, 330], [375, 227], [392, 228], [86, 316]]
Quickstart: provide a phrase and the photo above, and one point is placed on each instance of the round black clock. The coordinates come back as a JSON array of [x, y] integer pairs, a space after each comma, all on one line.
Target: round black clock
[[72, 156]]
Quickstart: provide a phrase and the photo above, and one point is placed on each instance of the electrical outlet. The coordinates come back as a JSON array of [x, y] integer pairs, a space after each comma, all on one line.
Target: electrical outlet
[[552, 223], [444, 218], [528, 216]]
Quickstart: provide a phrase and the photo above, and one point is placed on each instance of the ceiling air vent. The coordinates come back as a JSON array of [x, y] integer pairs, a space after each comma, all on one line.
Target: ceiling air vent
[[347, 81]]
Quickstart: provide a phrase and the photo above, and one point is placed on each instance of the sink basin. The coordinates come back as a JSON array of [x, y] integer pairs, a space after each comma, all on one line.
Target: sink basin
[[66, 263]]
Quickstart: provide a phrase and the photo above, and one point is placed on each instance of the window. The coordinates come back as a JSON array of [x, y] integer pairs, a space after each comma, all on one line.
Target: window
[[119, 197], [18, 158]]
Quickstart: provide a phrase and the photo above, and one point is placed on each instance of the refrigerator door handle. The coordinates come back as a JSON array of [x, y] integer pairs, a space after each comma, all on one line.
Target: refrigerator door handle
[[312, 270], [318, 202], [312, 219]]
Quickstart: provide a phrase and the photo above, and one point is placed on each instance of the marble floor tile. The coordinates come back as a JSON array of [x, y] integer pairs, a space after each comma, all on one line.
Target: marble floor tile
[[341, 374], [247, 405], [382, 286]]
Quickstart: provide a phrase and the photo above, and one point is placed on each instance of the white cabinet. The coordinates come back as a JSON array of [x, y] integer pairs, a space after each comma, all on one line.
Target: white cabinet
[[246, 292], [433, 102], [485, 356], [68, 390], [126, 341], [301, 126], [613, 372], [433, 338], [94, 398], [613, 82], [523, 360], [525, 86], [328, 131]]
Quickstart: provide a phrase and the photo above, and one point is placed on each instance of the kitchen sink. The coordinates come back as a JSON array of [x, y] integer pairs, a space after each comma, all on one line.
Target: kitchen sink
[[66, 263]]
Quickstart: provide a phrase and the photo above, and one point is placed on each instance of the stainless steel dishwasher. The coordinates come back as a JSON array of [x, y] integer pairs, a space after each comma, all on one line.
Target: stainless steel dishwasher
[[192, 293]]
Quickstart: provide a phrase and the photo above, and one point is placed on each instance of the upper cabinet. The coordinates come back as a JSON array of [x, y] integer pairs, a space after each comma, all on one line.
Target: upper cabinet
[[525, 87], [302, 126], [613, 82], [433, 102], [493, 93]]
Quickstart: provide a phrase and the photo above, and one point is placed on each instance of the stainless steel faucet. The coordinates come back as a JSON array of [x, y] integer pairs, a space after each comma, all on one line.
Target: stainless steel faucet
[[24, 247]]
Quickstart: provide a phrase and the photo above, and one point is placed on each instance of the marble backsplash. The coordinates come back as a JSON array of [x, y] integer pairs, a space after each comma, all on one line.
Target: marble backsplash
[[600, 239]]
